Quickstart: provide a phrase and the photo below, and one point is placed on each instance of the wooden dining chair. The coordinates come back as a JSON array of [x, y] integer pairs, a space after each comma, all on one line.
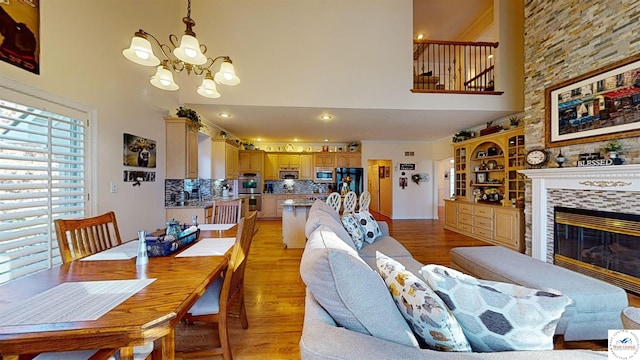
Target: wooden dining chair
[[78, 238], [226, 211], [334, 200], [214, 304], [350, 202], [365, 200]]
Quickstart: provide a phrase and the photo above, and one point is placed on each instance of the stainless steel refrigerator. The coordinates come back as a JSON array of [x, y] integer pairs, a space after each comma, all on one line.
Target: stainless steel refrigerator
[[351, 178]]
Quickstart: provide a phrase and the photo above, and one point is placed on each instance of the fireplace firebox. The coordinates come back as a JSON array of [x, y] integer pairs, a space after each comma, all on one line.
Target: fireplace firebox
[[601, 244]]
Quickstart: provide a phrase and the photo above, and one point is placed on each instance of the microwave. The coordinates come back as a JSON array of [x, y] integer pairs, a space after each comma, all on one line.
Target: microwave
[[289, 174], [323, 174]]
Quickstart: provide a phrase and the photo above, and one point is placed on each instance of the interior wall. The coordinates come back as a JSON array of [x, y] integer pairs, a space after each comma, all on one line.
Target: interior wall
[[566, 39], [444, 184], [414, 201], [80, 59]]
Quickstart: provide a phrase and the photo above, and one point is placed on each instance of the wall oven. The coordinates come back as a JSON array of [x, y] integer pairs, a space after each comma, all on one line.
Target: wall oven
[[323, 174], [250, 187]]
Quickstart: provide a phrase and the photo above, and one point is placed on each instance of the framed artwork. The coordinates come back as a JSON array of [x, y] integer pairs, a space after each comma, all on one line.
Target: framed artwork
[[139, 151], [481, 154], [600, 105], [387, 171], [20, 28], [481, 178], [381, 172]]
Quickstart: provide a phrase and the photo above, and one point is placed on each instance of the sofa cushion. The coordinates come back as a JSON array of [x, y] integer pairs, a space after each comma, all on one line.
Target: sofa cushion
[[353, 228], [350, 291], [369, 225], [432, 322], [322, 206], [321, 218], [498, 316]]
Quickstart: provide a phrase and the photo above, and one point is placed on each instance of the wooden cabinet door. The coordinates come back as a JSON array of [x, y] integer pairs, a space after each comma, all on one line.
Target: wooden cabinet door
[[283, 161], [182, 139], [451, 213], [244, 160], [231, 161], [324, 160], [294, 161], [257, 158], [306, 167], [507, 228], [271, 167], [192, 152], [250, 160], [268, 206], [342, 160]]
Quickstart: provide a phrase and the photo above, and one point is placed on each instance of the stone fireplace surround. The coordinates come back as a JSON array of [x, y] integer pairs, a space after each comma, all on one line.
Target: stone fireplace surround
[[606, 188]]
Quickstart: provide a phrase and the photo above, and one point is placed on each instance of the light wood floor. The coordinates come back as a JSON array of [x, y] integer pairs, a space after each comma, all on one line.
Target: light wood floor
[[275, 292]]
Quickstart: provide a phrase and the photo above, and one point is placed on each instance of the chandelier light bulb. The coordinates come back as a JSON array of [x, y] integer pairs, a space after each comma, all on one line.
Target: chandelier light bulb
[[227, 74], [189, 51], [208, 88], [163, 79], [140, 52]]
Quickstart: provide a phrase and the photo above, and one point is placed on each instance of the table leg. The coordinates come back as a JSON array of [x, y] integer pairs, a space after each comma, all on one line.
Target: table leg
[[165, 347], [126, 353]]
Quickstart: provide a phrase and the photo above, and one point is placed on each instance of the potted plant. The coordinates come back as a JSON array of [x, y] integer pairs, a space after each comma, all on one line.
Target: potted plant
[[190, 114], [249, 146], [514, 122], [613, 147], [462, 135], [223, 134], [353, 147]]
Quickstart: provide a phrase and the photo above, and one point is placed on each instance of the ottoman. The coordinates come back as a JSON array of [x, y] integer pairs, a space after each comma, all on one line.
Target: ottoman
[[597, 305]]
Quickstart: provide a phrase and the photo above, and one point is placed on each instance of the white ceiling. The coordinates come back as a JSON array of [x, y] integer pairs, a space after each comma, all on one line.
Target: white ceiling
[[437, 19]]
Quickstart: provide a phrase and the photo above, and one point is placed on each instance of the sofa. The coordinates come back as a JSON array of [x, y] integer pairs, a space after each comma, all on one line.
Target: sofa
[[358, 318]]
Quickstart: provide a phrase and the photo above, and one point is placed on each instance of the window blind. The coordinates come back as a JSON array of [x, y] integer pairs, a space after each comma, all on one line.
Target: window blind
[[42, 178]]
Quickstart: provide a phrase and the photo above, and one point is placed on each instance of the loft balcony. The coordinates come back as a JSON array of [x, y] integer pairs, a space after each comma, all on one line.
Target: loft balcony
[[454, 67]]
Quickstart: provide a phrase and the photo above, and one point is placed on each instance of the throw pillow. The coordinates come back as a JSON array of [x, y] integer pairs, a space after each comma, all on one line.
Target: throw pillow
[[354, 230], [369, 225], [498, 316], [350, 291], [427, 315]]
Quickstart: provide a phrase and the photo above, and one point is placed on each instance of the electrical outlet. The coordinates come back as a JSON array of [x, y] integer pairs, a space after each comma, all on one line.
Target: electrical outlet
[[114, 187]]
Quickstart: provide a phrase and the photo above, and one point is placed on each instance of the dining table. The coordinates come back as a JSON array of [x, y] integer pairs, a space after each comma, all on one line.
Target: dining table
[[161, 293]]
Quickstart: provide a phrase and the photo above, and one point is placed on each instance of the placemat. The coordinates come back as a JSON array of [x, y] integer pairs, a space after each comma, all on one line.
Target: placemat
[[220, 227], [125, 251], [73, 301], [209, 247]]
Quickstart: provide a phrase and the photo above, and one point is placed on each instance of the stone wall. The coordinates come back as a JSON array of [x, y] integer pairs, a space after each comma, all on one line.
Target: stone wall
[[564, 39]]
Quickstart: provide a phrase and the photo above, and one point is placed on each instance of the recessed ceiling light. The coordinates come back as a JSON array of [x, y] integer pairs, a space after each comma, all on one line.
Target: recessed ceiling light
[[326, 140], [224, 115], [259, 139], [420, 36], [295, 139], [325, 117]]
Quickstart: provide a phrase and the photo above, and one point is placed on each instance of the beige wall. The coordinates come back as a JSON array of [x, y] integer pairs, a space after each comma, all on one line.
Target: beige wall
[[81, 60], [566, 39]]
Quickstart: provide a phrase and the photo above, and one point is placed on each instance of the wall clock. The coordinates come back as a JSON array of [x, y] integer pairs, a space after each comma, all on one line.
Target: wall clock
[[537, 157]]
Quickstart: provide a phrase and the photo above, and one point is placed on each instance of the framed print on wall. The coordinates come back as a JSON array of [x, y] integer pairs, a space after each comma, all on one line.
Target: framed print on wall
[[600, 105], [139, 151], [20, 29]]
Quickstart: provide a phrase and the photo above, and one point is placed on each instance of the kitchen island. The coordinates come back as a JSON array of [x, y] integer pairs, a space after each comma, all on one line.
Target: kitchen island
[[202, 209], [294, 217]]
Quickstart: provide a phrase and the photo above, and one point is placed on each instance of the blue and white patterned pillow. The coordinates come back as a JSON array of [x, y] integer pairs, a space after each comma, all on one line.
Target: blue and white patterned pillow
[[369, 225], [432, 322], [355, 231], [498, 316]]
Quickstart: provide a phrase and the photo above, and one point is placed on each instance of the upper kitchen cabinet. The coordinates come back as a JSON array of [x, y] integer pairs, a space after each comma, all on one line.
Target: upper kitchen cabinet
[[349, 160], [218, 159], [289, 161], [324, 159], [182, 139], [306, 167], [251, 160], [271, 168]]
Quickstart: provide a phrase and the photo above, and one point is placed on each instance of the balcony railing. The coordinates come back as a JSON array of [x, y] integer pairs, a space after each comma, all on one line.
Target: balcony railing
[[454, 67]]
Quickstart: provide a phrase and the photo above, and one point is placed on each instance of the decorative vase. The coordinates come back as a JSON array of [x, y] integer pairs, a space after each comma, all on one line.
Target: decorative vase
[[613, 154]]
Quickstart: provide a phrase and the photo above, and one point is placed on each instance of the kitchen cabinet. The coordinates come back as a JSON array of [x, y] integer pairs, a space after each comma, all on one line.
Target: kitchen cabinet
[[251, 160], [324, 159], [182, 139], [306, 167], [288, 161], [348, 160], [271, 168], [218, 159], [495, 224], [269, 208]]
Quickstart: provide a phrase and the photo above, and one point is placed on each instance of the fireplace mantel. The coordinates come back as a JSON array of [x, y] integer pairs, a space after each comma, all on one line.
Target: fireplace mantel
[[610, 178]]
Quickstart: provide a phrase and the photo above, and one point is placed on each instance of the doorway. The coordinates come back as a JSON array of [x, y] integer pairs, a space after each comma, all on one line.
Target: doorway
[[380, 186]]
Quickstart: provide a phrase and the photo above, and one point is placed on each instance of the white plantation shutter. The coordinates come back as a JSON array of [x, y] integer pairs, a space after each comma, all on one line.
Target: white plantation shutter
[[42, 178]]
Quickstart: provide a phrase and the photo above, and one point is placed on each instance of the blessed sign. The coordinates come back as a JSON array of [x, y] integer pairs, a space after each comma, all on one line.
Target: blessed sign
[[407, 166], [593, 159]]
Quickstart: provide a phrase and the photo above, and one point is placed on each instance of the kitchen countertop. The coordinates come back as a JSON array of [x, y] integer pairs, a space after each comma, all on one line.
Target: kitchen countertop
[[297, 202], [205, 203]]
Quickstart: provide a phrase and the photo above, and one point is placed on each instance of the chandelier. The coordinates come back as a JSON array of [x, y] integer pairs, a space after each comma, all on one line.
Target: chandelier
[[189, 56]]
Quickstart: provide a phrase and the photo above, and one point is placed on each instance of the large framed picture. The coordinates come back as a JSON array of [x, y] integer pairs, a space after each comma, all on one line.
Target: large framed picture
[[600, 105], [139, 151]]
